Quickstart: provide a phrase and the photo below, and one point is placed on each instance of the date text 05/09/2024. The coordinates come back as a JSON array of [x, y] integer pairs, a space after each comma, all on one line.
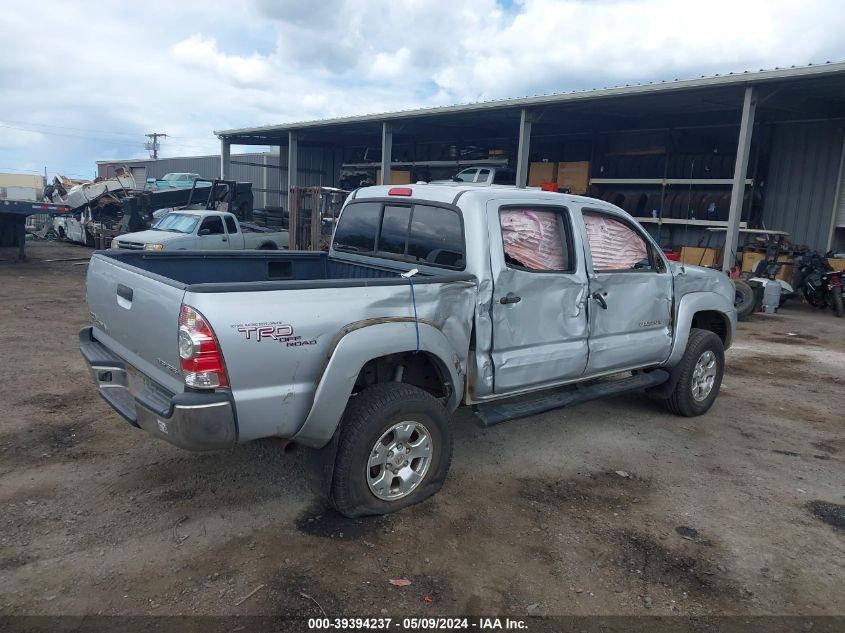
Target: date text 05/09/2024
[[417, 624]]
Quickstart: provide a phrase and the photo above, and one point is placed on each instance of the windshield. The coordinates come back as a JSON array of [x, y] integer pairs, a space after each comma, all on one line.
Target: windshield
[[177, 223]]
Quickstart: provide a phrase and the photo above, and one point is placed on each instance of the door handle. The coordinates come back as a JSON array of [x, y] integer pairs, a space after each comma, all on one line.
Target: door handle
[[510, 299], [124, 296], [125, 292], [223, 239], [599, 298]]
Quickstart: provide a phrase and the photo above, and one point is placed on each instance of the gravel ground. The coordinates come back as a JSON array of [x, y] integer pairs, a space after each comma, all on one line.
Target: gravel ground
[[614, 507]]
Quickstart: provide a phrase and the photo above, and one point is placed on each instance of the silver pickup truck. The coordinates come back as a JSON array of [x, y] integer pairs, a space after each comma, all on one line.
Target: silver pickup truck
[[431, 297]]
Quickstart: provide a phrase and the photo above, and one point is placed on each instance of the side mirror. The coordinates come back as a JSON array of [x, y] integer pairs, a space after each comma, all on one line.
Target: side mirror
[[204, 232], [456, 179]]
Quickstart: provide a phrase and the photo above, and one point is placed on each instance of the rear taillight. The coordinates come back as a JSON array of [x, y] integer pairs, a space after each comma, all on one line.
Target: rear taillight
[[400, 191], [199, 352]]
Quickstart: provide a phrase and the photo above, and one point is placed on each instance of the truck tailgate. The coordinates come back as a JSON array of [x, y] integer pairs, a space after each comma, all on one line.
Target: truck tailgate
[[136, 315]]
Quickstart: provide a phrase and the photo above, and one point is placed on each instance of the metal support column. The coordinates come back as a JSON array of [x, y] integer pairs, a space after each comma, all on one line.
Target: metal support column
[[225, 159], [386, 151], [20, 234], [293, 162], [743, 149], [840, 183], [264, 181], [524, 148]]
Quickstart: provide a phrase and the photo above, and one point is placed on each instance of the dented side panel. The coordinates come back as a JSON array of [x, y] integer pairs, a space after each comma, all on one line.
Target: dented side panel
[[542, 337], [276, 361], [636, 327]]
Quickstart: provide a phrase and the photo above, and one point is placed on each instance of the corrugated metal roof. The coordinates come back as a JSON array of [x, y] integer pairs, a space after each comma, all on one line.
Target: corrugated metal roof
[[137, 161], [705, 81]]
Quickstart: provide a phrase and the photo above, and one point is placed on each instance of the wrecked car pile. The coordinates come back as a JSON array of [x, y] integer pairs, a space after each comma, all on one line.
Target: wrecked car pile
[[96, 207]]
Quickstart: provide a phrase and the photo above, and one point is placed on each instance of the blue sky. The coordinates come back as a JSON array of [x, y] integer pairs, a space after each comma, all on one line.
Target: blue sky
[[81, 81]]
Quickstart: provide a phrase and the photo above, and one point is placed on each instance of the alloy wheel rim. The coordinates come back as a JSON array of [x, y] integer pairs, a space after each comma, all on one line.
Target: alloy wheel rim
[[704, 376], [399, 460]]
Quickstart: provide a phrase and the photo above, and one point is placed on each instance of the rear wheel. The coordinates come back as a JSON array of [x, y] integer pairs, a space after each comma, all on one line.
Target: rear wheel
[[836, 299], [700, 375], [394, 450], [743, 299]]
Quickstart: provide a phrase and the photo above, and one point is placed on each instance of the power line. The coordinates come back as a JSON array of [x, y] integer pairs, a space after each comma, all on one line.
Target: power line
[[113, 141], [87, 138], [77, 129]]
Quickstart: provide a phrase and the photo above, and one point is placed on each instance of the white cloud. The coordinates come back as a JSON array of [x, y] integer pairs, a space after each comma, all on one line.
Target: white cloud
[[107, 77], [201, 53]]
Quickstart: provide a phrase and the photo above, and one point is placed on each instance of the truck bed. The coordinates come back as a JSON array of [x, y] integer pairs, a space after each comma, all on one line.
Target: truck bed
[[234, 271], [135, 299]]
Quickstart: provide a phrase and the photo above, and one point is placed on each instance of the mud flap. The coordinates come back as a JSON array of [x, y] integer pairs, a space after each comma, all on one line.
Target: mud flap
[[319, 464]]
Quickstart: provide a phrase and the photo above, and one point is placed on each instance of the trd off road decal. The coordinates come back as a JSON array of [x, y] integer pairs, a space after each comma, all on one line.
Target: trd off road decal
[[276, 331]]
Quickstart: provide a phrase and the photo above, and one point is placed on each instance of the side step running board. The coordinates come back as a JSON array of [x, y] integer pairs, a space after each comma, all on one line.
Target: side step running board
[[502, 411]]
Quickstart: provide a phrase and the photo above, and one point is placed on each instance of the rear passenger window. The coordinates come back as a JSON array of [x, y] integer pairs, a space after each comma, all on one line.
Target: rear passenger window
[[417, 233], [394, 230], [231, 225], [357, 228], [536, 239], [436, 237]]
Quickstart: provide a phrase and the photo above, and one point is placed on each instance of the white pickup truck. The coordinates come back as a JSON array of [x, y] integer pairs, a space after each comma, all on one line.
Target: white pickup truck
[[197, 229]]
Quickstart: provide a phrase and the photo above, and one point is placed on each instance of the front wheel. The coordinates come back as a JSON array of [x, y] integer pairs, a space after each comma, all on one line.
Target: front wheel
[[700, 375], [394, 450], [836, 299]]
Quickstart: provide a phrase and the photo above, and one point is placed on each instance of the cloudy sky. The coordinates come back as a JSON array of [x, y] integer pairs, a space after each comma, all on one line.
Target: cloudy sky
[[84, 81]]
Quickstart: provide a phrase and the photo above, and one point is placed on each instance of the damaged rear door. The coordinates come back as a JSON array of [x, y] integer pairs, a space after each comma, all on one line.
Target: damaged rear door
[[539, 295], [630, 294]]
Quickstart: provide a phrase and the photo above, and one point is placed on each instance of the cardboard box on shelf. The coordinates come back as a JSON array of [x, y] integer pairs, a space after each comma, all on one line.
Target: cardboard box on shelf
[[397, 177], [574, 175], [538, 173], [697, 256], [750, 259]]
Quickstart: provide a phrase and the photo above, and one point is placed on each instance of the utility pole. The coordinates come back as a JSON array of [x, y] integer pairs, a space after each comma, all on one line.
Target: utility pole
[[152, 145]]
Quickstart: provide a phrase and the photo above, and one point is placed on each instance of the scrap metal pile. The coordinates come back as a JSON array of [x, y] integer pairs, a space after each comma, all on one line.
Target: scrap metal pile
[[96, 207]]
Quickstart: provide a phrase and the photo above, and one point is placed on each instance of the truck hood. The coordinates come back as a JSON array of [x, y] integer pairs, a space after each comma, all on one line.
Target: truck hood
[[699, 279], [150, 237]]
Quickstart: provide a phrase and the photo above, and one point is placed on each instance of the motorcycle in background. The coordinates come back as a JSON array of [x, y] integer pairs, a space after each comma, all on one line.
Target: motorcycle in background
[[821, 285]]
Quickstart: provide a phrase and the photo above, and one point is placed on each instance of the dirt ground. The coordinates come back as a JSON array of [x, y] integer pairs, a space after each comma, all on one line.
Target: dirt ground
[[613, 507]]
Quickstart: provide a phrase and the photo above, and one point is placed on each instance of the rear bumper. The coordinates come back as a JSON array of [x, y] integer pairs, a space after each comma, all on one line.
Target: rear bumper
[[191, 420]]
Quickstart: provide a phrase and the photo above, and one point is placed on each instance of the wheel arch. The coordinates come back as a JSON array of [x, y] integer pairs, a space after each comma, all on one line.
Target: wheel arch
[[706, 311], [367, 351]]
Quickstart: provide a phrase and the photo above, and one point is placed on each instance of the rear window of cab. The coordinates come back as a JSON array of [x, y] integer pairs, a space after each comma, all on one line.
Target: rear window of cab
[[415, 232]]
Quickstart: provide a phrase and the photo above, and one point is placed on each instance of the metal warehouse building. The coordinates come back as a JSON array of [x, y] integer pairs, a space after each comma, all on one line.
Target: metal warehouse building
[[755, 149]]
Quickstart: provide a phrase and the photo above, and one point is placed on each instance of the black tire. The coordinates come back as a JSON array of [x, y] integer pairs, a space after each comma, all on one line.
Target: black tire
[[836, 300], [743, 299], [368, 416], [682, 402], [268, 246]]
